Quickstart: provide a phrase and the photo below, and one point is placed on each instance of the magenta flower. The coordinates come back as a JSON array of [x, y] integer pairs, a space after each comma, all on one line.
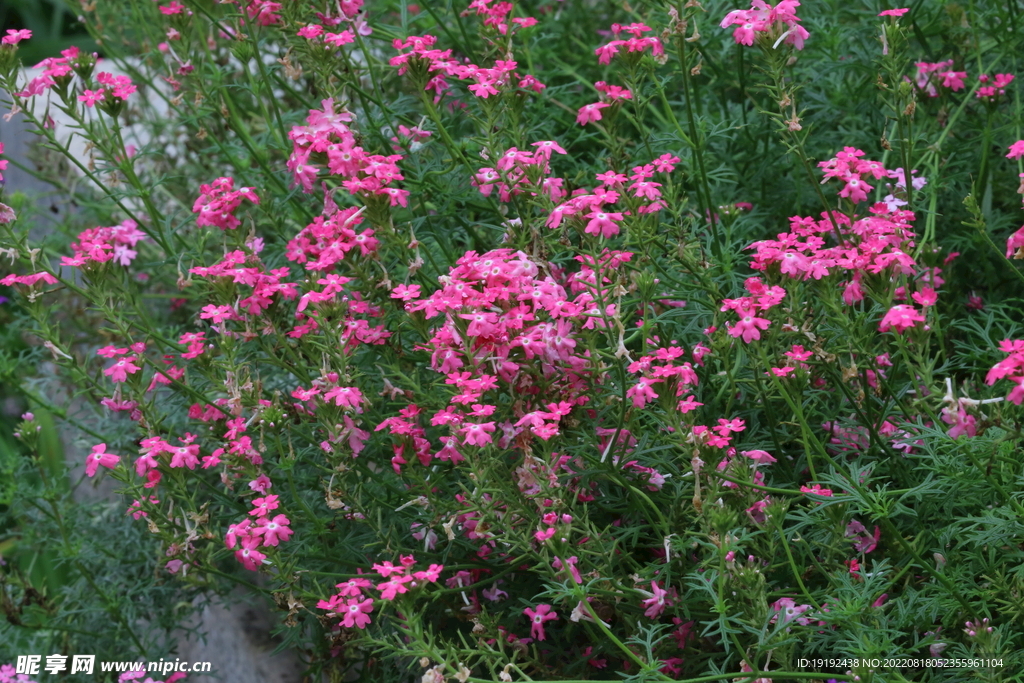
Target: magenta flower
[[248, 555], [1016, 150], [902, 317], [589, 113], [353, 587], [98, 457], [273, 530], [749, 326], [603, 223], [356, 612], [538, 617], [894, 12], [405, 292], [657, 602], [14, 36], [261, 507], [478, 434], [393, 587], [92, 97], [237, 533], [347, 397], [119, 371], [760, 457], [431, 573]]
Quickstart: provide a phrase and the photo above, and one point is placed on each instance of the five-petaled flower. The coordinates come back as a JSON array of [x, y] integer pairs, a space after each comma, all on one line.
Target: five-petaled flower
[[99, 457], [538, 617], [356, 613], [901, 317]]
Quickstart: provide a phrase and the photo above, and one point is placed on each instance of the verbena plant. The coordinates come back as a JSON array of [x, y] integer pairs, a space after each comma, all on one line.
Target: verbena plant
[[566, 341]]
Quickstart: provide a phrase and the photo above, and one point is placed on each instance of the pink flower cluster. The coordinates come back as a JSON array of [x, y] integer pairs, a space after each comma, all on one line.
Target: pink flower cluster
[[875, 244], [322, 244], [496, 15], [218, 201], [102, 244], [315, 31], [354, 608], [423, 60], [638, 191], [326, 140], [501, 317], [993, 87], [848, 167], [54, 69], [611, 96], [522, 171], [1015, 242], [780, 23], [117, 87], [762, 298], [267, 532], [125, 363], [660, 368], [264, 284], [637, 42], [934, 75], [264, 12], [1011, 367]]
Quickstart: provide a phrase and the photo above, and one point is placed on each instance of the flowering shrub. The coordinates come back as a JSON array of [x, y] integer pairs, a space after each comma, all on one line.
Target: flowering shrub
[[488, 380]]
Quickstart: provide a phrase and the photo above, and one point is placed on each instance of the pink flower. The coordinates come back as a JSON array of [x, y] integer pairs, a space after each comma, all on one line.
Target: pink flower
[[273, 530], [185, 456], [862, 541], [310, 32], [394, 586], [589, 113], [1016, 150], [538, 617], [791, 611], [405, 292], [954, 80], [894, 12], [356, 612], [261, 507], [760, 457], [748, 326], [248, 555], [92, 97], [926, 297], [119, 371], [856, 190], [901, 317], [353, 587], [261, 483], [14, 36], [603, 223], [656, 603], [348, 397], [431, 573], [98, 457], [478, 434], [816, 490], [237, 532]]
